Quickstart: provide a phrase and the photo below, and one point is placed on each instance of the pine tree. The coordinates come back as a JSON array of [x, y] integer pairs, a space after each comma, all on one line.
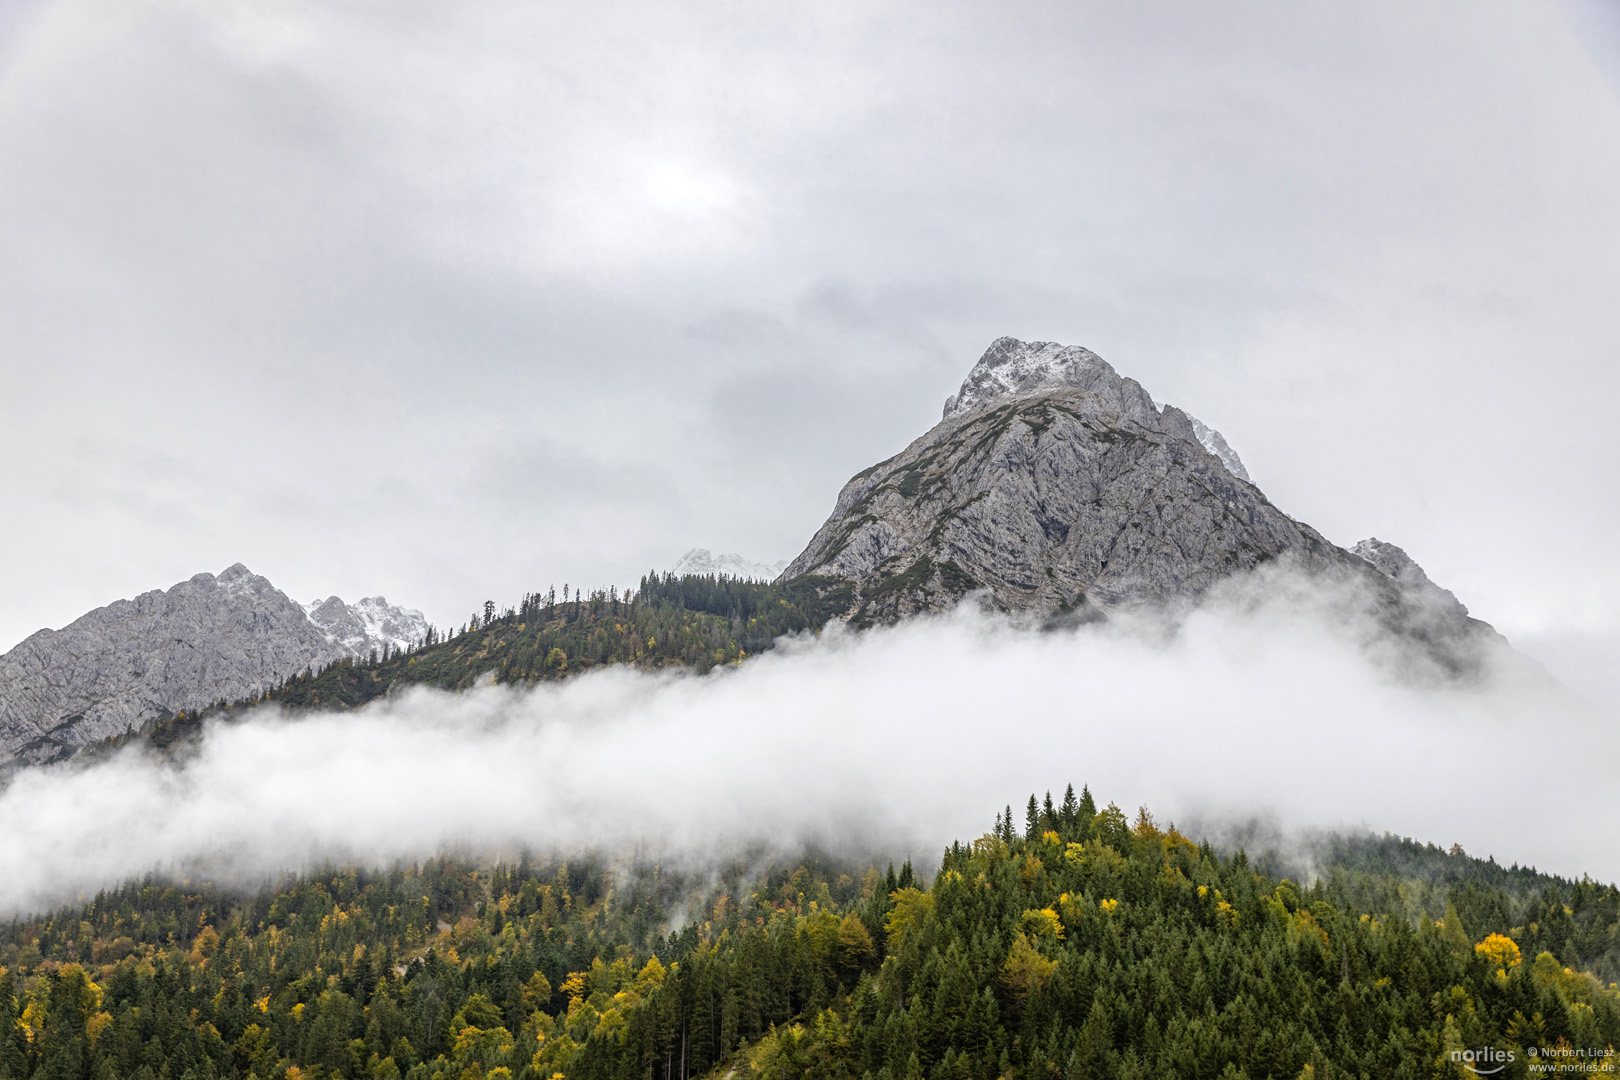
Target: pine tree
[[1032, 819], [1088, 806], [1069, 813]]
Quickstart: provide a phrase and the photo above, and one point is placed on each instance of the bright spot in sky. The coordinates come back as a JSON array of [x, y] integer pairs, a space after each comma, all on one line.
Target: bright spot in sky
[[687, 192]]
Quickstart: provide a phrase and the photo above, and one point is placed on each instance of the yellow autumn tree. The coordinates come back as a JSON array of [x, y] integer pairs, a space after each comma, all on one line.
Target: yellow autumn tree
[[1025, 971], [856, 949], [911, 906], [536, 992], [650, 977], [1041, 924], [1501, 951], [574, 988]]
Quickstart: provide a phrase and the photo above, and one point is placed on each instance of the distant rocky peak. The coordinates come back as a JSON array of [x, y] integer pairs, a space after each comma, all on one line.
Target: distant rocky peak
[[1395, 563], [368, 625], [703, 561], [209, 638]]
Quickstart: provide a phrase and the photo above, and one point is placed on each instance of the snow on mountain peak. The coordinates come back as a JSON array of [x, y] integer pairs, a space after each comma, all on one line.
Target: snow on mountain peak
[[1011, 368], [368, 625], [1394, 562], [703, 561], [1216, 444]]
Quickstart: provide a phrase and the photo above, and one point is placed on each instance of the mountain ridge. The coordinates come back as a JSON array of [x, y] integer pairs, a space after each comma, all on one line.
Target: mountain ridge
[[231, 636]]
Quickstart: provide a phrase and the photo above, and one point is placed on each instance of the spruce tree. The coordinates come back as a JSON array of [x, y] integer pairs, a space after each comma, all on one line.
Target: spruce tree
[[1032, 819], [1069, 813]]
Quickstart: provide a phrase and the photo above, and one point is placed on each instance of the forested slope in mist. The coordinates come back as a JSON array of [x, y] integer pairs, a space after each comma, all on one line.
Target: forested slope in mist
[[1077, 946], [690, 621]]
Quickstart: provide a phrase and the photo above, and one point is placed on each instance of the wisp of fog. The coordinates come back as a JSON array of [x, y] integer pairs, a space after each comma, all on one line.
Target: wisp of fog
[[1271, 701]]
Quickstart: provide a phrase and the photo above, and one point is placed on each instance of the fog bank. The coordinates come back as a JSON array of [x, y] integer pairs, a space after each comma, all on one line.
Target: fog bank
[[895, 741]]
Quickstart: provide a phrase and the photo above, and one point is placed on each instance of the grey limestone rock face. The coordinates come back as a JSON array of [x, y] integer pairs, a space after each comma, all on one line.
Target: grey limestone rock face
[[1396, 564], [1055, 483], [1055, 487], [227, 637]]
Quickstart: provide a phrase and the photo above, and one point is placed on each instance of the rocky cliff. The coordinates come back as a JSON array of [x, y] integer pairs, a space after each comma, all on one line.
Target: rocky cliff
[[210, 638], [1398, 565], [1056, 488]]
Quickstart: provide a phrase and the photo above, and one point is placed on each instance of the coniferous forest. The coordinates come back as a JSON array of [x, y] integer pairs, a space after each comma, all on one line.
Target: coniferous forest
[[1073, 943]]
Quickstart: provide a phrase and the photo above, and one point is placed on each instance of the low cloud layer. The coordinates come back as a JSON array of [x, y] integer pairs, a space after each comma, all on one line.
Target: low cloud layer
[[893, 742]]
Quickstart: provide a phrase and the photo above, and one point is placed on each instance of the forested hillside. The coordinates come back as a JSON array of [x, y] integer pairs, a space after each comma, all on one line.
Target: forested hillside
[[695, 621], [692, 621], [1080, 945]]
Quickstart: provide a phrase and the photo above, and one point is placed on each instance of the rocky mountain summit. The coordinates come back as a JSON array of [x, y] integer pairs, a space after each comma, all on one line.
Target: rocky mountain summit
[[228, 637], [370, 625], [1056, 488]]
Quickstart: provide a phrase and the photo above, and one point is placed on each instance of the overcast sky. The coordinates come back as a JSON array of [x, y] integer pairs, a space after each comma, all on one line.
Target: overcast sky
[[452, 301]]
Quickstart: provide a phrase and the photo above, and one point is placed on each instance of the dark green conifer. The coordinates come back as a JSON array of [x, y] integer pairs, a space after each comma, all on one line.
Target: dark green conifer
[[1068, 813], [1088, 807]]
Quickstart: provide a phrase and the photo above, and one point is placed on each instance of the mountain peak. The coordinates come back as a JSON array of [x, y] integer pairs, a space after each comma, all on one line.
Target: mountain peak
[[228, 636], [208, 638], [1011, 369], [367, 626], [1055, 487]]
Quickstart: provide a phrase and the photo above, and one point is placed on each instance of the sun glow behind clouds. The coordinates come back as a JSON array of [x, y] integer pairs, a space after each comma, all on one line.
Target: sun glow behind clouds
[[893, 742], [685, 192]]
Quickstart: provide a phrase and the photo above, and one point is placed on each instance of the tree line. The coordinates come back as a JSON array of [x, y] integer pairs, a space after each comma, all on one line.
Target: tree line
[[694, 622], [1076, 943]]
